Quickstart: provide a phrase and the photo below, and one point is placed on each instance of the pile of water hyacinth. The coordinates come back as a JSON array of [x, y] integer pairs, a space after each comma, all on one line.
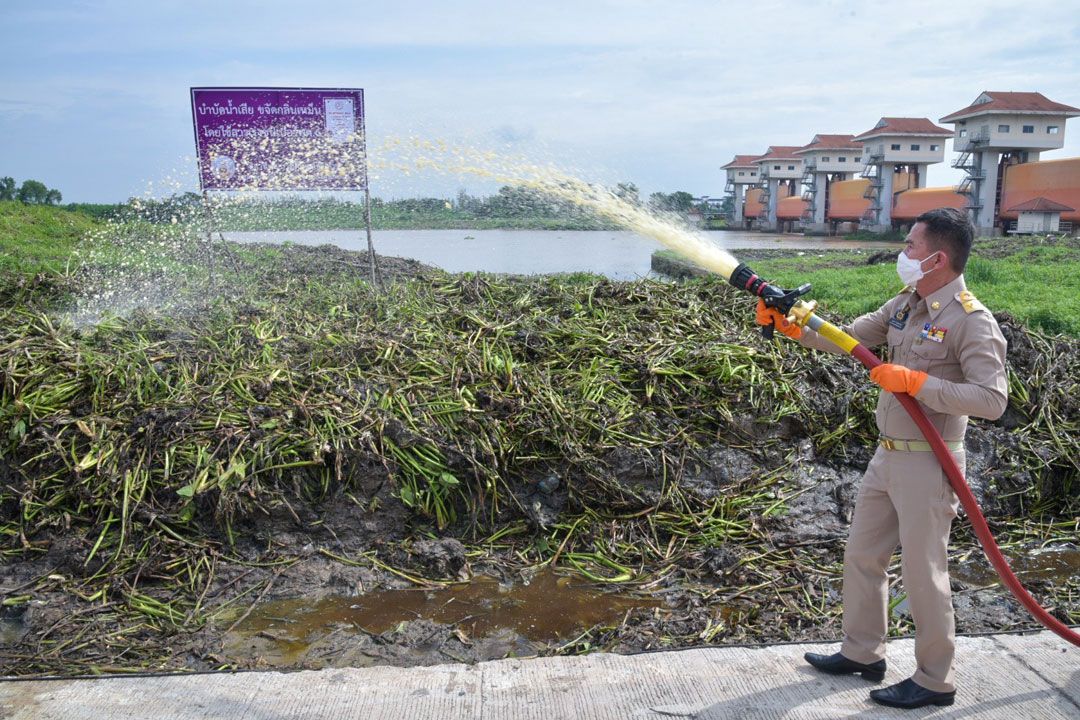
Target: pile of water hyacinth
[[637, 433]]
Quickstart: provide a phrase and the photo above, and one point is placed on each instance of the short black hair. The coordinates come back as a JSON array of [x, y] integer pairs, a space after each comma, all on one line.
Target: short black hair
[[950, 229]]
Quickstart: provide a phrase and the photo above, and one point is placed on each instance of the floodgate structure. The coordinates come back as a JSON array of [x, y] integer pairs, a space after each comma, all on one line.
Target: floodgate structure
[[876, 180]]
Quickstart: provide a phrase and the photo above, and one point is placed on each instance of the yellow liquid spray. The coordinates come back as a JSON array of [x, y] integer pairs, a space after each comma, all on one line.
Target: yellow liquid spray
[[151, 251], [414, 155], [309, 161]]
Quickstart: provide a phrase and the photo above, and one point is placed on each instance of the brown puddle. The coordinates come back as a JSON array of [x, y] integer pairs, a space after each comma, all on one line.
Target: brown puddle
[[1055, 564], [548, 608]]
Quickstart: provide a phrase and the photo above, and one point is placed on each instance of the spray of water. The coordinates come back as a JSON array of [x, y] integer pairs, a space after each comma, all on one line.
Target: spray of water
[[140, 258], [161, 252], [418, 155], [311, 161]]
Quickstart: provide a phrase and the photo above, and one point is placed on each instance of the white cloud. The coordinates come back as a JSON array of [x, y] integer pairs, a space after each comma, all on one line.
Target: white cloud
[[661, 94]]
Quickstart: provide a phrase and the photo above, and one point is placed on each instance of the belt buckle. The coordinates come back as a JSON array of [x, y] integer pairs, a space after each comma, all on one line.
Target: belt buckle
[[888, 444]]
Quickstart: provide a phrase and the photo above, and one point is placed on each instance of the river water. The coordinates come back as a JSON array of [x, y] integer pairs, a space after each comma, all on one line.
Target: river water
[[616, 254]]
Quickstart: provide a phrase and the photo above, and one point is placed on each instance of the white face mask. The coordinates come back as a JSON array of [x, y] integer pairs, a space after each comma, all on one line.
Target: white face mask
[[910, 271]]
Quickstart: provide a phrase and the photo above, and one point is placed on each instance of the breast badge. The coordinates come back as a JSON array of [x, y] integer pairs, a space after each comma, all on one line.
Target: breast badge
[[899, 318], [933, 333]]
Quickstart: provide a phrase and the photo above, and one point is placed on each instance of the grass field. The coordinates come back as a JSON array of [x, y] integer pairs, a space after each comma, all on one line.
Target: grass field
[[39, 239]]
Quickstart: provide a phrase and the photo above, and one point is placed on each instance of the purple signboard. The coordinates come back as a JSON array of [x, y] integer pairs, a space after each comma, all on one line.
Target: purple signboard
[[279, 138]]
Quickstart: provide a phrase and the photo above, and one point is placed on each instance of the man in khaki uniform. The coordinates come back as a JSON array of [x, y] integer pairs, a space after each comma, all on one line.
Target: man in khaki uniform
[[946, 350]]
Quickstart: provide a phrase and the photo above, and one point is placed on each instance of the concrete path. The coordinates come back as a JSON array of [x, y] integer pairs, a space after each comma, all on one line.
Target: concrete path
[[1005, 676]]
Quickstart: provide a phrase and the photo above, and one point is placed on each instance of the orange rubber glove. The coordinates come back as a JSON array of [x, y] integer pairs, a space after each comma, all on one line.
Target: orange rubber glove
[[899, 379], [771, 316]]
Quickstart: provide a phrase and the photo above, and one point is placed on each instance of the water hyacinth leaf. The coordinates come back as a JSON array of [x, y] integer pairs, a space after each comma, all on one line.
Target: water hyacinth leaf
[[17, 430]]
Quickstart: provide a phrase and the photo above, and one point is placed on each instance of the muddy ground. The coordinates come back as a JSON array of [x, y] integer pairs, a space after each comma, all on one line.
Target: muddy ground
[[781, 589], [695, 596]]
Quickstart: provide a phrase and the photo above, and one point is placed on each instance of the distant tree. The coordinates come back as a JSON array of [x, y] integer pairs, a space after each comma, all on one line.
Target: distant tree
[[514, 201], [53, 197], [680, 201], [7, 188], [677, 202], [32, 192], [627, 191], [466, 202], [418, 205]]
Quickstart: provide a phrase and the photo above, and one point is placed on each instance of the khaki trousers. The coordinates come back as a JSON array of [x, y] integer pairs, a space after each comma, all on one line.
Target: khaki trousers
[[904, 499]]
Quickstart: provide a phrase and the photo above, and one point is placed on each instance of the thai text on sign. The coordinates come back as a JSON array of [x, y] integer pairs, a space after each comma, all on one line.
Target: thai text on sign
[[280, 138]]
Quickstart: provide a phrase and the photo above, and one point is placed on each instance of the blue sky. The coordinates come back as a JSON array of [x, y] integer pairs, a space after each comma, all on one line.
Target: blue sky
[[94, 98]]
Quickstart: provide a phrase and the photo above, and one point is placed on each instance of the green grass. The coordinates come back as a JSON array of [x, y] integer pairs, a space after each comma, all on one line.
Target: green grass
[[36, 238], [846, 291], [1039, 285]]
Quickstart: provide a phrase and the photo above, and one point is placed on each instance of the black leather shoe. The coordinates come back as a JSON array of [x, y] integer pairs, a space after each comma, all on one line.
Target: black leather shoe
[[909, 694], [837, 664]]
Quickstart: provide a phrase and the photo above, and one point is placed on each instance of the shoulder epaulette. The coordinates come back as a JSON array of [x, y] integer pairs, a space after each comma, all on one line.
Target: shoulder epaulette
[[969, 301]]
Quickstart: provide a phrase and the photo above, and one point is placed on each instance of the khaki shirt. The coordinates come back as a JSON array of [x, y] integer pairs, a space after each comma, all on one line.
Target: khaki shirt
[[949, 335]]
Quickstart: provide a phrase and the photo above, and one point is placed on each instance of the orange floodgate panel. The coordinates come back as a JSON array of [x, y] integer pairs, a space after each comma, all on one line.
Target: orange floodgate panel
[[1057, 180], [846, 201], [753, 207], [910, 204], [902, 181], [790, 208]]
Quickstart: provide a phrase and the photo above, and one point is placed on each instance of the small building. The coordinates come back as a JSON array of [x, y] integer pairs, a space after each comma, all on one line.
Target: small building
[[742, 173], [779, 166], [833, 154], [1039, 216], [826, 159], [1008, 120], [897, 145], [998, 130]]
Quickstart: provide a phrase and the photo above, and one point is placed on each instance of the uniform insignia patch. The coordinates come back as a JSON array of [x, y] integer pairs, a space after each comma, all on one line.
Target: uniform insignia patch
[[969, 301], [933, 333], [899, 318]]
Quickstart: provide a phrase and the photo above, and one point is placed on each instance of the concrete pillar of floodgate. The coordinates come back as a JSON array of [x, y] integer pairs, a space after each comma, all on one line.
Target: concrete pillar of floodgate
[[985, 215], [921, 175], [739, 199], [886, 197], [821, 188], [774, 190]]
